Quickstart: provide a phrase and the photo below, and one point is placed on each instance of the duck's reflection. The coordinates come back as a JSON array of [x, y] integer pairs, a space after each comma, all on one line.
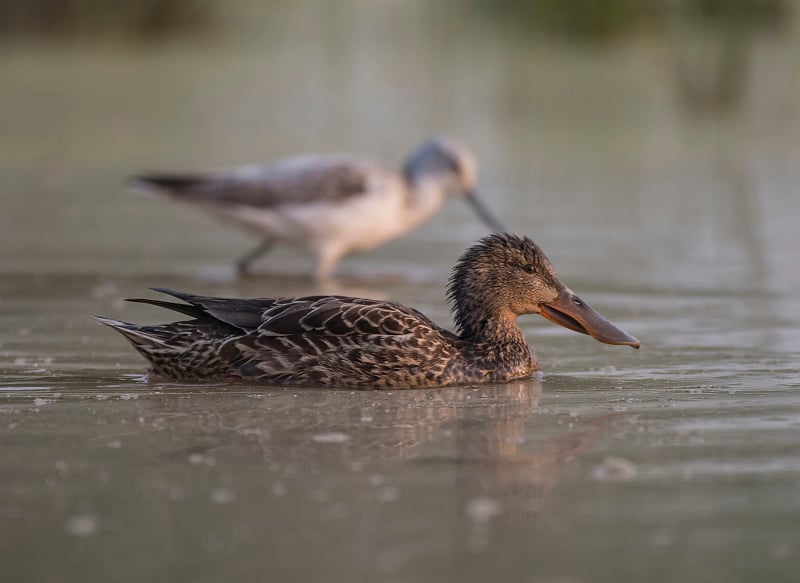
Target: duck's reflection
[[506, 454]]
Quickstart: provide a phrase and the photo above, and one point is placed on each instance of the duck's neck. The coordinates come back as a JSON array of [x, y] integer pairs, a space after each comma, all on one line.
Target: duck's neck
[[496, 351], [479, 323]]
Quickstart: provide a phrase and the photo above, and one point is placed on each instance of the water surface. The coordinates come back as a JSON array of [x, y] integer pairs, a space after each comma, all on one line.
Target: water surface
[[680, 461]]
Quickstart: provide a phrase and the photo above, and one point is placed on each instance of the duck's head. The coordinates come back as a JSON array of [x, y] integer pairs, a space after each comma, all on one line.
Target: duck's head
[[454, 169], [504, 276]]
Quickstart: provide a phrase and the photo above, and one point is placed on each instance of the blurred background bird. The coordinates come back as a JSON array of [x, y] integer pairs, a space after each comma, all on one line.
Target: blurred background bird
[[329, 205]]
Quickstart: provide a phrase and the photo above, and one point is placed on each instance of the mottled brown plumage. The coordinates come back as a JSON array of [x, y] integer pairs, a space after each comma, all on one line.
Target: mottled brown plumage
[[337, 341]]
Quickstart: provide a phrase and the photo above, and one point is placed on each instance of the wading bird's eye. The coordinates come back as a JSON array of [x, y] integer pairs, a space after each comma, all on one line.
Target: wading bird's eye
[[529, 268]]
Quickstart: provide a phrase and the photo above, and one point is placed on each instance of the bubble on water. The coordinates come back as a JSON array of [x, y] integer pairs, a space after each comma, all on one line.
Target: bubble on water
[[128, 396], [201, 458], [332, 437], [387, 494], [222, 495], [781, 550], [39, 402], [104, 290], [614, 469], [320, 495], [482, 509], [81, 525]]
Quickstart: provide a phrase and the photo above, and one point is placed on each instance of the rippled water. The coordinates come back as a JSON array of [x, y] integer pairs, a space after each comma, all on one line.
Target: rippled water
[[680, 461]]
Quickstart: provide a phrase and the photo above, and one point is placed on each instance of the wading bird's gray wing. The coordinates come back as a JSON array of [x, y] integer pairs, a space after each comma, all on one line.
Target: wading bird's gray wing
[[296, 180]]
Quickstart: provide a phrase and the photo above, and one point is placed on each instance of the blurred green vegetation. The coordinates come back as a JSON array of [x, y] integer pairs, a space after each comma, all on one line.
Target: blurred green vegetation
[[114, 18], [579, 20], [600, 20]]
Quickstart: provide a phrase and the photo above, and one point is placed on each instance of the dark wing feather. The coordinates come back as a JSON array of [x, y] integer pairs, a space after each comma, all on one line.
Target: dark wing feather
[[342, 341], [297, 180], [340, 316], [244, 314]]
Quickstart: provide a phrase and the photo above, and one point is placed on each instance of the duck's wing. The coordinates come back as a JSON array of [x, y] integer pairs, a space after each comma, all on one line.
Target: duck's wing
[[341, 341], [295, 180]]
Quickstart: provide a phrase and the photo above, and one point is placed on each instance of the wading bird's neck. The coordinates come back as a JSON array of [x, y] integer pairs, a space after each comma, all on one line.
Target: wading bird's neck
[[424, 198]]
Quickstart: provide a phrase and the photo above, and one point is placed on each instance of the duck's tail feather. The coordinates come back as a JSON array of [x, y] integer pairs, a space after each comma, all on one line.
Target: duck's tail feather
[[139, 336], [181, 350]]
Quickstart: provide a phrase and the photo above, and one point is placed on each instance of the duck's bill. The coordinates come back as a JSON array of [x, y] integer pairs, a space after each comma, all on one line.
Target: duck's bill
[[574, 314], [483, 212]]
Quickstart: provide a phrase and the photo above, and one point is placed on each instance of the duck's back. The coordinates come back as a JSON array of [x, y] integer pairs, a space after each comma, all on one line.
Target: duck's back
[[321, 341], [342, 341]]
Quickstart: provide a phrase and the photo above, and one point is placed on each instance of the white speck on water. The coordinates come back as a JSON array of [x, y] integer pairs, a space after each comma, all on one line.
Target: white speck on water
[[387, 494], [482, 509], [332, 437], [608, 369], [376, 480], [337, 510], [114, 444], [106, 289], [614, 469], [279, 489], [101, 397], [320, 495], [201, 458], [781, 550], [367, 418], [39, 402], [81, 525], [128, 396], [222, 495]]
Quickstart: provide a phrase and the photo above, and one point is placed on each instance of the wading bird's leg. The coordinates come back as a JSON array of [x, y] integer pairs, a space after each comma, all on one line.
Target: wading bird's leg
[[243, 265]]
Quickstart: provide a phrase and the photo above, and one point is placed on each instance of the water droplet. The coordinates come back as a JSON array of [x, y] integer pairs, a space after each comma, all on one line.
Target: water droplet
[[332, 437], [81, 525], [222, 496], [614, 469], [482, 509]]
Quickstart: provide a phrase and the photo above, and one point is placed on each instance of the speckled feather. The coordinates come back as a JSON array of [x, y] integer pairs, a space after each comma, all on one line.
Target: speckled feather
[[338, 341]]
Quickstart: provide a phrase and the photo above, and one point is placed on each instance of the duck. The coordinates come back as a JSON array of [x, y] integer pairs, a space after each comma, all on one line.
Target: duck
[[330, 341], [329, 205]]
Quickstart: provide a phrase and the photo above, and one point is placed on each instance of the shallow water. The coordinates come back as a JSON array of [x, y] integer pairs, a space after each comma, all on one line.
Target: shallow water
[[680, 461]]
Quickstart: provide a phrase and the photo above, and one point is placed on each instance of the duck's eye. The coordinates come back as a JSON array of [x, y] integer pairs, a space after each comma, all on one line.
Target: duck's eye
[[529, 268]]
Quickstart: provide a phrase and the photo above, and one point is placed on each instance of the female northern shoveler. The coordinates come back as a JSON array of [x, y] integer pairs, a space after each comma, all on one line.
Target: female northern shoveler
[[330, 341], [330, 205]]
